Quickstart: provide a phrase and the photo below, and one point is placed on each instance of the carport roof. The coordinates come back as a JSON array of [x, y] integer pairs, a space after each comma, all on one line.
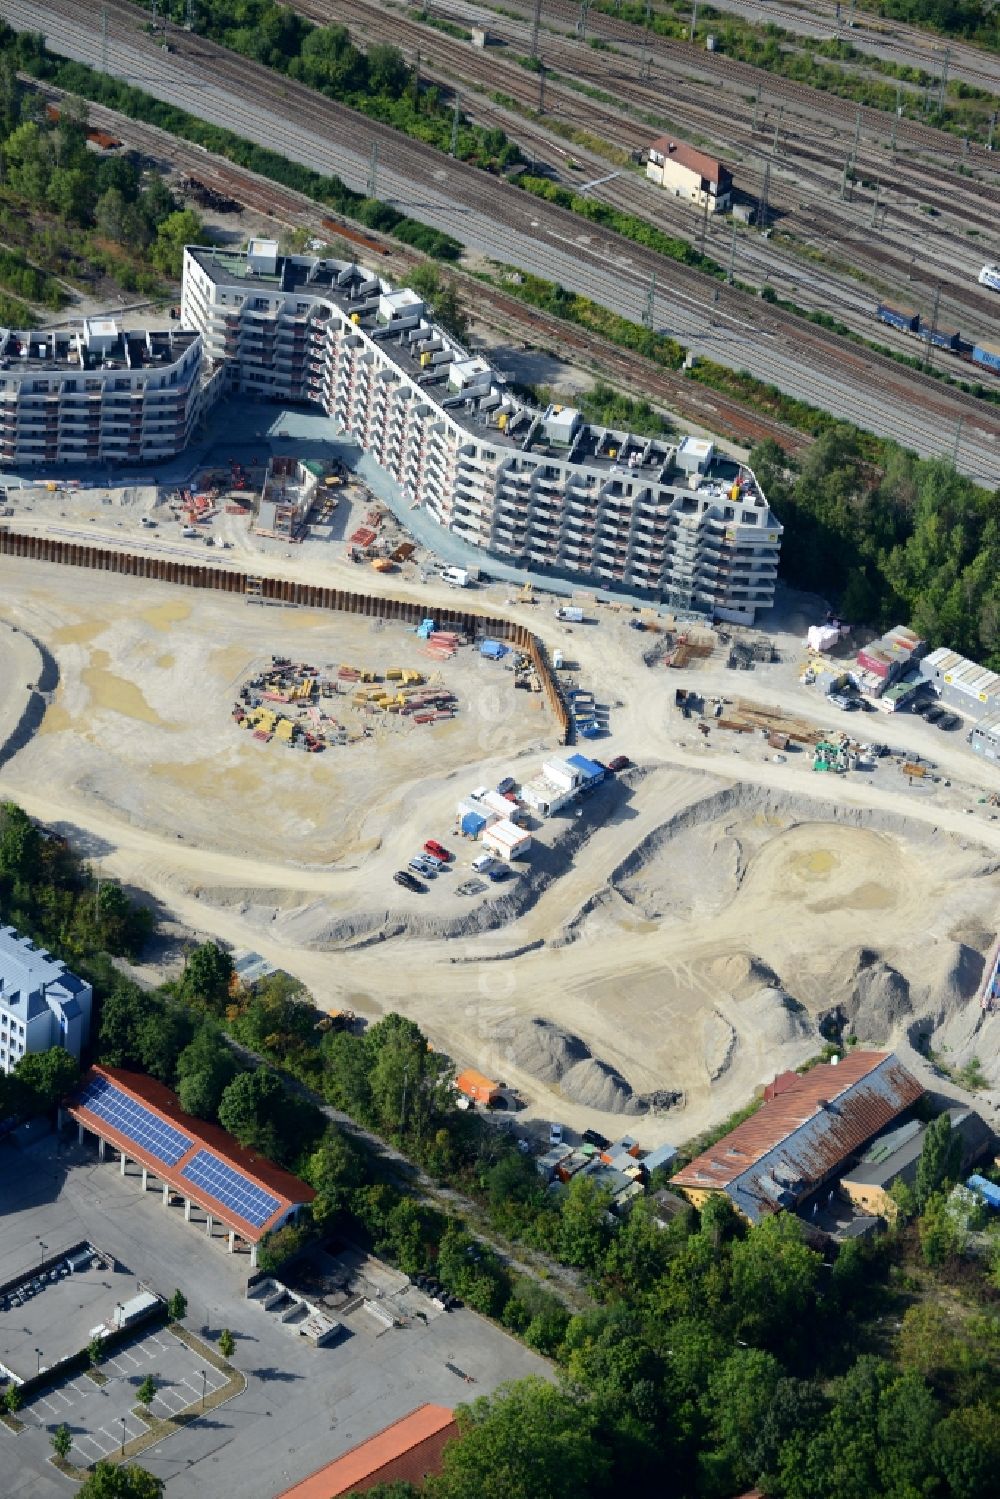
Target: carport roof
[[255, 1173]]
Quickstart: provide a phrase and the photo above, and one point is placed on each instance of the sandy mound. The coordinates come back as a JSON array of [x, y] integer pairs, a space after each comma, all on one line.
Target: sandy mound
[[952, 973], [596, 1085], [719, 1043], [880, 997], [741, 974], [775, 1019], [558, 1057]]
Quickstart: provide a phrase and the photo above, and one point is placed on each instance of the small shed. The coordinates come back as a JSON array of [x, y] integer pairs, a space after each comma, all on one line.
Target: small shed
[[493, 650], [507, 840], [476, 1086], [656, 1159], [472, 824]]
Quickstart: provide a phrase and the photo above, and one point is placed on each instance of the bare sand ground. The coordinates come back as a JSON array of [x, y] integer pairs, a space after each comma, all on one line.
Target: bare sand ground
[[683, 935]]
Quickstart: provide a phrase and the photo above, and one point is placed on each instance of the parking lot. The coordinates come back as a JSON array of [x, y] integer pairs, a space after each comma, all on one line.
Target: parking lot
[[303, 1406], [101, 1418]]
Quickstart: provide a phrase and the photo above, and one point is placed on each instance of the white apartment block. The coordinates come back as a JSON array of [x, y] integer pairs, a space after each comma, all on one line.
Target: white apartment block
[[42, 1004], [99, 394]]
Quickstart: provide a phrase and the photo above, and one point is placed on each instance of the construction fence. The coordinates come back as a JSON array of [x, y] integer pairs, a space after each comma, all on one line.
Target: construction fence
[[284, 591]]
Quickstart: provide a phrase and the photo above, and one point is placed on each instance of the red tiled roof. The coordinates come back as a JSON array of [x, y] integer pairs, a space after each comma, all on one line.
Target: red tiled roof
[[405, 1452], [818, 1121], [706, 166], [159, 1099]]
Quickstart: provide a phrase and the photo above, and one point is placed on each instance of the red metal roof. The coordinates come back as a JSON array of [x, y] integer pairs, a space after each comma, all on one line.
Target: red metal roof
[[159, 1099], [407, 1451], [805, 1131]]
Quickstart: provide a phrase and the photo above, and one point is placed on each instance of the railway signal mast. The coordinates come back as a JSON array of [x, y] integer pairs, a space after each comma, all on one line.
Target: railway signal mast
[[535, 21]]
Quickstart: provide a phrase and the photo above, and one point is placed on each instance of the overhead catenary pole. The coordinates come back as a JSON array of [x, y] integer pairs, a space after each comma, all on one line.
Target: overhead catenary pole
[[993, 126], [694, 18], [373, 172], [732, 257], [857, 136], [581, 25], [934, 324], [454, 128], [944, 77], [535, 23], [541, 89], [843, 180], [704, 224], [958, 439], [871, 221], [756, 107], [765, 196], [104, 40], [777, 129], [649, 311]]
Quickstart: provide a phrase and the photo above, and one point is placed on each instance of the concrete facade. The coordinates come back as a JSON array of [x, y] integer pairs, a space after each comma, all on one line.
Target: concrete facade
[[962, 684], [688, 173], [98, 394], [677, 522], [42, 1004]]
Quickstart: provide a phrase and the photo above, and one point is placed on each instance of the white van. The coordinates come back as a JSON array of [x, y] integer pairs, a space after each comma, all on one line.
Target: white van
[[458, 577], [483, 864]]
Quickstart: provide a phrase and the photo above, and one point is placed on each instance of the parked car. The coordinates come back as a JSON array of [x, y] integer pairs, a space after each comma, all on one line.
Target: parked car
[[922, 705], [594, 1137], [433, 861], [933, 714], [421, 866], [620, 762], [402, 877], [948, 721], [555, 1134], [438, 850], [499, 874], [507, 784]]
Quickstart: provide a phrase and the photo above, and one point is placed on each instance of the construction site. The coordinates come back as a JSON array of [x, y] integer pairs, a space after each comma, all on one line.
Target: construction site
[[747, 878]]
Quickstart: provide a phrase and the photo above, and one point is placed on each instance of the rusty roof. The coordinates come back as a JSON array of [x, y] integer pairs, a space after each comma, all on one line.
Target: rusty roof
[[406, 1451], [706, 166], [799, 1137], [159, 1100]]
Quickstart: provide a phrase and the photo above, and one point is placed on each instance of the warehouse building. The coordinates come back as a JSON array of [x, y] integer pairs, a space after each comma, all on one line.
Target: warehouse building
[[546, 490], [893, 1158], [687, 173], [42, 1004], [198, 1162], [802, 1136], [984, 736], [100, 394], [961, 684], [407, 1452]]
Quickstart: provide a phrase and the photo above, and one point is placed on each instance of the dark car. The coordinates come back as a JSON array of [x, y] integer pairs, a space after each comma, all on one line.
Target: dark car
[[948, 721], [594, 1137], [408, 881], [933, 714], [620, 762], [922, 705]]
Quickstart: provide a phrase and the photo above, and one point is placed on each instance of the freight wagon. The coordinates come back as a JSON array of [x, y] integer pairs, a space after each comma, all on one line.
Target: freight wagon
[[356, 238], [907, 320], [988, 355]]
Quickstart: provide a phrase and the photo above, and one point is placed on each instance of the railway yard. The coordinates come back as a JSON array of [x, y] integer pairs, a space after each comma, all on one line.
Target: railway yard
[[823, 254], [736, 868]]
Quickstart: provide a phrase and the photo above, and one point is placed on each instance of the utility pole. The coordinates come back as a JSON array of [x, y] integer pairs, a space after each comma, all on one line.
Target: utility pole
[[993, 125], [843, 180], [777, 128], [649, 311], [765, 192], [189, 15], [704, 225], [871, 221], [958, 439], [732, 256], [373, 172], [857, 136], [104, 40], [944, 77], [756, 107], [934, 324], [541, 89], [535, 22], [694, 18], [581, 25], [895, 123], [454, 129]]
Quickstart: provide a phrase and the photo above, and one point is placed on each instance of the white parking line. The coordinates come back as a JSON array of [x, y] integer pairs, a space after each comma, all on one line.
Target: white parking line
[[125, 1354], [62, 1396], [116, 1365], [81, 1389], [44, 1400]]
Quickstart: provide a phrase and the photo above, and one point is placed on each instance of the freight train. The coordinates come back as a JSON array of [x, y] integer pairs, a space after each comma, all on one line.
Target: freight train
[[985, 355]]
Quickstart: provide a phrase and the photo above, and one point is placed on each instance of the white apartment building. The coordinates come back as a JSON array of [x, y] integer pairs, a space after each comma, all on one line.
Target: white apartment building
[[42, 1004], [677, 522], [99, 394]]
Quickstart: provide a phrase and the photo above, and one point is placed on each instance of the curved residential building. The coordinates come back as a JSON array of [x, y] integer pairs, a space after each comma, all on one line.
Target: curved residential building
[[674, 521], [98, 394]]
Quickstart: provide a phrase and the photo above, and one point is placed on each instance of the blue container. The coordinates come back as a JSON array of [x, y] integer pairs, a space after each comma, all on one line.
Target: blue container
[[904, 318], [987, 355], [985, 1189]]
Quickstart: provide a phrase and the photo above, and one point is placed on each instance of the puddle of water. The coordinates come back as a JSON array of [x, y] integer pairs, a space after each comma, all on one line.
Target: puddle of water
[[162, 616]]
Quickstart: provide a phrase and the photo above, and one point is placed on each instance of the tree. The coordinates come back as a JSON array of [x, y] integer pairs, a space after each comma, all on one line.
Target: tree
[[928, 1344], [205, 1068], [410, 1084], [335, 1170], [208, 971], [161, 1037], [251, 1110], [174, 232], [146, 1393], [49, 1075], [20, 841], [942, 1236], [120, 1481], [177, 1307], [69, 193], [95, 1352], [527, 1441], [346, 1062], [124, 1009], [774, 1277], [737, 1403], [62, 1441], [13, 1399], [966, 1451], [227, 1343], [584, 1230], [939, 1160]]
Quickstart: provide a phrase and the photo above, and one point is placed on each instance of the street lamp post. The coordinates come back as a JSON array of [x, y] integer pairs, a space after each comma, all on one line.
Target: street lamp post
[[204, 1378], [123, 1436]]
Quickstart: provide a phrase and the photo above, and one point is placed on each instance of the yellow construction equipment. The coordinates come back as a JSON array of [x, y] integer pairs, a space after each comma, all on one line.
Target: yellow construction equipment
[[285, 730], [527, 594]]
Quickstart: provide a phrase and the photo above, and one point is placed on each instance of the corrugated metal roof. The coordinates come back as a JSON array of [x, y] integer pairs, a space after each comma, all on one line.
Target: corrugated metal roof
[[944, 658], [773, 1158], [408, 1450]]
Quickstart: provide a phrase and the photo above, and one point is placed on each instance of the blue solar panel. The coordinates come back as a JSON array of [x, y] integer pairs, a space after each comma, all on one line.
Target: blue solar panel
[[141, 1125], [231, 1188]]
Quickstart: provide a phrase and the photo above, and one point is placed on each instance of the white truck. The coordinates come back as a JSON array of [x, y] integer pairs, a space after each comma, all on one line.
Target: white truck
[[459, 577], [571, 615]]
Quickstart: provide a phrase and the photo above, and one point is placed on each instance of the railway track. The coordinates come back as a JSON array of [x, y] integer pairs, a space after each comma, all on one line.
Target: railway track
[[735, 329]]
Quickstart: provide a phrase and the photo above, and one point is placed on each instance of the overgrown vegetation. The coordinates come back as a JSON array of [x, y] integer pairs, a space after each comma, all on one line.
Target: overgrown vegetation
[[27, 52], [712, 1356]]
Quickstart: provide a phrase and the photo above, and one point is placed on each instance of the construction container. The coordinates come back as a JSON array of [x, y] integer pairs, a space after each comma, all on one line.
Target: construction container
[[987, 355]]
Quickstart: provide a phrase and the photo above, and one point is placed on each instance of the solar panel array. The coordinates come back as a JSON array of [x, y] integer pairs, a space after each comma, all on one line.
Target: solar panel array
[[230, 1187], [140, 1125]]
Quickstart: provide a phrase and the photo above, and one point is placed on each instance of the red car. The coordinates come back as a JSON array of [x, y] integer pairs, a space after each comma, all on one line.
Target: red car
[[438, 850], [620, 762]]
